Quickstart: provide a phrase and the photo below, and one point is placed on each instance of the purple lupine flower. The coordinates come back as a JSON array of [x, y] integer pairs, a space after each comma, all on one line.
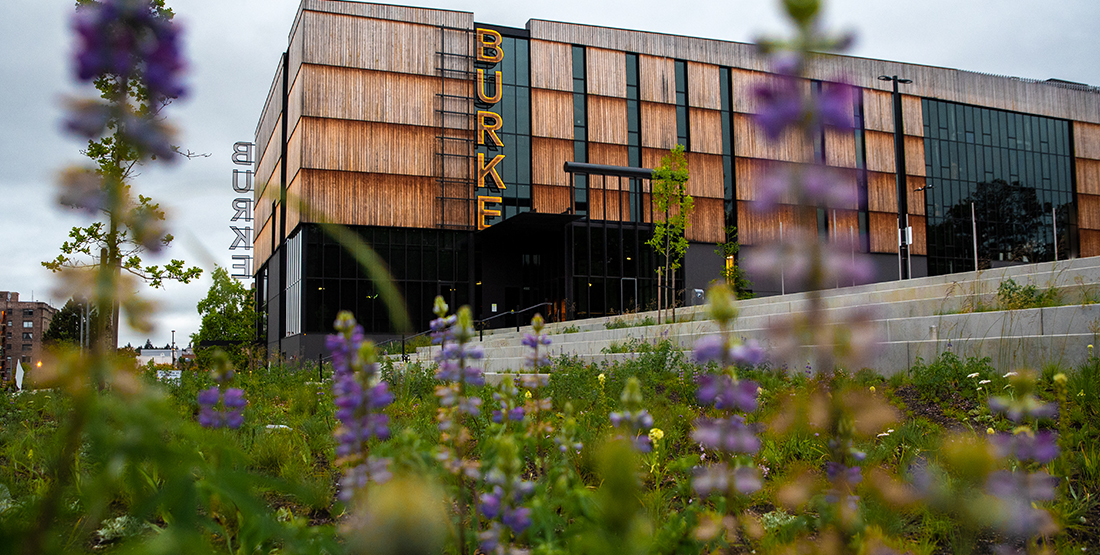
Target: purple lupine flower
[[724, 393], [125, 38], [503, 504], [635, 419], [1017, 410], [718, 477], [232, 400], [839, 472], [359, 402], [1016, 515], [1041, 447], [780, 106], [730, 435]]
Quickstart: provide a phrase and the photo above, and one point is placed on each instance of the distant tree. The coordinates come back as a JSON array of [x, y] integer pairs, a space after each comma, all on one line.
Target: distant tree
[[733, 274], [228, 315], [675, 206], [65, 329], [122, 135]]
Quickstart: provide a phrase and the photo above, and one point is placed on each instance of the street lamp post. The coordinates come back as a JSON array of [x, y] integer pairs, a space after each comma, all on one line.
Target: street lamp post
[[173, 348], [899, 167]]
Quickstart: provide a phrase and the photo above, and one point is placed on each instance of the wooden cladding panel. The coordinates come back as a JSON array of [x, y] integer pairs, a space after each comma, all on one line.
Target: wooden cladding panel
[[750, 176], [354, 198], [914, 156], [261, 243], [347, 41], [708, 222], [658, 81], [744, 83], [1088, 211], [750, 141], [1090, 242], [843, 226], [920, 235], [611, 155], [554, 61], [549, 199], [294, 104], [294, 154], [548, 156], [915, 198], [551, 114], [840, 148], [273, 108], [884, 231], [265, 166], [882, 192], [658, 125], [263, 204], [607, 119], [705, 175], [357, 146], [1088, 176], [880, 152], [294, 204], [753, 175], [1086, 140], [878, 111], [706, 130], [347, 93], [605, 201], [606, 72], [703, 86], [912, 116], [760, 228]]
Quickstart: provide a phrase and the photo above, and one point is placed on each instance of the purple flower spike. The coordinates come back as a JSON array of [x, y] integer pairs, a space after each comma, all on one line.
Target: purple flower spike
[[234, 398], [209, 397]]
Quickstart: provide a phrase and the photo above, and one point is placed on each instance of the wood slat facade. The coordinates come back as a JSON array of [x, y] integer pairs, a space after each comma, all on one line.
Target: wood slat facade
[[606, 72], [551, 114], [365, 102]]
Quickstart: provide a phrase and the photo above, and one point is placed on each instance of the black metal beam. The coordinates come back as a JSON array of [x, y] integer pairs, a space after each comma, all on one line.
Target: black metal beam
[[601, 169]]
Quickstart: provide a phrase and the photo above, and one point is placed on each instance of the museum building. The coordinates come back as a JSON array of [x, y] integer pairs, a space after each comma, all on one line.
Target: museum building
[[507, 168]]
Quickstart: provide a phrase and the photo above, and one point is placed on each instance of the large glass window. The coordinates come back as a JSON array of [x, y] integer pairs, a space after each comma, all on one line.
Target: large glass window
[[1005, 173], [423, 262], [683, 136], [580, 129]]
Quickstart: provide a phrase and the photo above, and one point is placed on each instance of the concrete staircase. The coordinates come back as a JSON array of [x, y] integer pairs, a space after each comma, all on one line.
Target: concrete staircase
[[916, 318]]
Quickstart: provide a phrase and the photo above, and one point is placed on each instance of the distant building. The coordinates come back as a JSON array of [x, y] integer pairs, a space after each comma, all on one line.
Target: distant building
[[158, 356], [509, 168], [24, 323]]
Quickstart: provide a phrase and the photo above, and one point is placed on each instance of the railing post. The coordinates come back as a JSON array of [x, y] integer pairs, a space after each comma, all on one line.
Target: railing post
[[404, 356]]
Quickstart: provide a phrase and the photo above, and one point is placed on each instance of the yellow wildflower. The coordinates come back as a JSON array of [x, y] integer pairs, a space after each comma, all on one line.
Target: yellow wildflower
[[656, 434]]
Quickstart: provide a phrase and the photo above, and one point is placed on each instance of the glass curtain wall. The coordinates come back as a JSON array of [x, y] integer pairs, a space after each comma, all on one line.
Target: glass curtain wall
[[1017, 172], [424, 263]]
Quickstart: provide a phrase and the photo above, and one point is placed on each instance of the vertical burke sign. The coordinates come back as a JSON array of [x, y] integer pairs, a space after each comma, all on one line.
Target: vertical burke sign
[[490, 52], [241, 222]]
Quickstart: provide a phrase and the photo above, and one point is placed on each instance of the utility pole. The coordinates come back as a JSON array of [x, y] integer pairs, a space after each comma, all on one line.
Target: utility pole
[[899, 167]]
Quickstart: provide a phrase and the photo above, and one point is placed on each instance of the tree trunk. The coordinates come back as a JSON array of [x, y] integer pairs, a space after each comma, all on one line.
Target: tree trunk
[[658, 295]]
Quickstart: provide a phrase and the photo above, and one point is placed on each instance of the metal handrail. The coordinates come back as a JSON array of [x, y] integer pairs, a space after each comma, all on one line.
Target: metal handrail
[[480, 324]]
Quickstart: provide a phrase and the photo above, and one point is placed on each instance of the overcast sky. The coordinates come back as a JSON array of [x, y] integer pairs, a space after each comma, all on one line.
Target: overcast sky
[[233, 47]]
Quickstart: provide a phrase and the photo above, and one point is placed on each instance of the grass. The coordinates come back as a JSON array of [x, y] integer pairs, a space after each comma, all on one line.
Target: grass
[[303, 453]]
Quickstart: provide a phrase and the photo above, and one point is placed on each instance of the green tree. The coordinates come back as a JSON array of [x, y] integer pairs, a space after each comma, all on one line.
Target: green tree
[[228, 315], [733, 274], [128, 228], [675, 205], [65, 327]]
